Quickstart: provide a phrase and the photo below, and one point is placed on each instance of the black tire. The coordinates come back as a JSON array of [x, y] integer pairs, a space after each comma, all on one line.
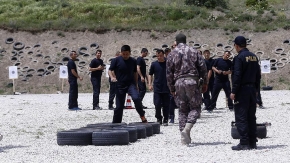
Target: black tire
[[94, 45], [141, 131], [196, 45], [82, 50], [261, 132], [110, 137], [267, 88], [36, 46], [18, 46], [74, 137], [156, 127], [164, 46], [9, 40], [107, 124], [64, 50], [219, 45], [234, 132], [132, 130], [149, 128]]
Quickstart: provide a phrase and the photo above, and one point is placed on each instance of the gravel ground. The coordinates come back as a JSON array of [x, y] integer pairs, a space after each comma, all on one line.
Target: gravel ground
[[29, 124]]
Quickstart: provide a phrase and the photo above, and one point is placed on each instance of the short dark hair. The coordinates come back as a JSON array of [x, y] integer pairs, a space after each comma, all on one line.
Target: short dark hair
[[71, 53], [98, 51], [180, 38], [167, 50], [228, 52], [206, 51], [160, 51], [125, 48], [144, 50]]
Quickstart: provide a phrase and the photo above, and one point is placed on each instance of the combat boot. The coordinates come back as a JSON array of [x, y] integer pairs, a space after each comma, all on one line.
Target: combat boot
[[185, 134]]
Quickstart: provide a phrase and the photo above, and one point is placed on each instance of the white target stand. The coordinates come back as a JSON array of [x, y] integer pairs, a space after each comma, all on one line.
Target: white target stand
[[63, 74], [13, 74], [265, 69]]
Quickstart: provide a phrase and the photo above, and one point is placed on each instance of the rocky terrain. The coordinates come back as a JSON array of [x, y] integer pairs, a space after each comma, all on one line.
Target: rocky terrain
[[39, 55]]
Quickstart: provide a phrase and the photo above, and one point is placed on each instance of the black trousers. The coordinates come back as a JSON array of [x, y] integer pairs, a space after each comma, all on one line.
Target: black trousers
[[245, 114], [73, 94], [161, 102], [259, 99], [172, 105], [208, 93], [112, 93], [142, 89], [216, 90], [96, 82], [121, 91]]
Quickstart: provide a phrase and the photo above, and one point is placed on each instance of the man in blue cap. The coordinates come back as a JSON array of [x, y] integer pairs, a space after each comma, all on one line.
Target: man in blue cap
[[245, 84]]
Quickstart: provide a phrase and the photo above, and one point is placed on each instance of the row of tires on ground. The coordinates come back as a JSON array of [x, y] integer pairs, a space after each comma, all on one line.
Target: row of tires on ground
[[104, 134]]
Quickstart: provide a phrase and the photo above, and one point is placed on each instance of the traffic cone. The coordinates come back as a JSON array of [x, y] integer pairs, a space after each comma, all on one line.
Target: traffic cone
[[128, 104]]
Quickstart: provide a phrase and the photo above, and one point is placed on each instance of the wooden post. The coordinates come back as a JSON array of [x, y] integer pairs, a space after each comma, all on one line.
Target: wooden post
[[62, 85], [266, 80], [13, 86]]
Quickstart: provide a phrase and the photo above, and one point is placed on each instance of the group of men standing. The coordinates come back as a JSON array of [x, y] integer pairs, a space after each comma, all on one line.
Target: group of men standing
[[178, 77]]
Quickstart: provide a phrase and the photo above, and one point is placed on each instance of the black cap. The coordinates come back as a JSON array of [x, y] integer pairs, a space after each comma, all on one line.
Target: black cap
[[180, 38], [241, 41]]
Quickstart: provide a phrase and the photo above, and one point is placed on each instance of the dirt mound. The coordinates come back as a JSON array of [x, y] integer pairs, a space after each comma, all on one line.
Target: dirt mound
[[38, 56]]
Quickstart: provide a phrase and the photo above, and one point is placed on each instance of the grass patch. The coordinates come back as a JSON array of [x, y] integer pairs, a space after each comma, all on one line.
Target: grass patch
[[159, 15]]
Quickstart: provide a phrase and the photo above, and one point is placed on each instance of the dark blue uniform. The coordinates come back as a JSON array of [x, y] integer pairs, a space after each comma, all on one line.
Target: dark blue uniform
[[141, 85], [124, 71], [73, 85], [96, 80], [206, 97], [245, 83], [112, 91], [161, 91], [221, 82]]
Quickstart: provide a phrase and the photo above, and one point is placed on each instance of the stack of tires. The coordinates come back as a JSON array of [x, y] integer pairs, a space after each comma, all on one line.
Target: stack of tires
[[104, 134]]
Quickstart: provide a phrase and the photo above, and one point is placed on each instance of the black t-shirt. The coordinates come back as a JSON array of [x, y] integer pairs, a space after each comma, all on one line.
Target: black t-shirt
[[158, 69], [94, 64], [223, 65], [71, 65], [142, 64], [209, 63], [111, 63], [124, 70]]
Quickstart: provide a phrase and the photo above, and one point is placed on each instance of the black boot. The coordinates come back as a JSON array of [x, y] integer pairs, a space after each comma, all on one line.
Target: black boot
[[111, 107], [240, 147]]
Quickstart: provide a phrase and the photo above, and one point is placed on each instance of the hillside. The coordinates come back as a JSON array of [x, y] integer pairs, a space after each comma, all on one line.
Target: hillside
[[42, 50], [39, 60]]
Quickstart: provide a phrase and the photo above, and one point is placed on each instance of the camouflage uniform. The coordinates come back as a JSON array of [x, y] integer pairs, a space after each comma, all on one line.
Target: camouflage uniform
[[184, 67]]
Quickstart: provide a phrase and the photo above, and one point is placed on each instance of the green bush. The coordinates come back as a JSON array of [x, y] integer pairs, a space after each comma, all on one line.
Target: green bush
[[208, 3], [258, 4]]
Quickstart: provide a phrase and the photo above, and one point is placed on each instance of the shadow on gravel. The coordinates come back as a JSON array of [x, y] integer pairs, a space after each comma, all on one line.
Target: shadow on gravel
[[271, 147], [208, 143], [5, 148], [210, 116]]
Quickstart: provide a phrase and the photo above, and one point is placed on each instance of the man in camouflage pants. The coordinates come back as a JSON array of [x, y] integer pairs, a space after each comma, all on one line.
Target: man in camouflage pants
[[185, 66]]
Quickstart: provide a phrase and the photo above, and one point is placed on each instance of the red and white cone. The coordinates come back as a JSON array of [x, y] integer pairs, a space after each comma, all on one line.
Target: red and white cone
[[128, 104]]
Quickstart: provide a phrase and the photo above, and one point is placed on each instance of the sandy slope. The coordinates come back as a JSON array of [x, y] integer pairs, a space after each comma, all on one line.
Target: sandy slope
[[112, 41]]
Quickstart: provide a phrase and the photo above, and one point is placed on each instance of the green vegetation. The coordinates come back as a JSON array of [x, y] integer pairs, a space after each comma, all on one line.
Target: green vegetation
[[159, 15]]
